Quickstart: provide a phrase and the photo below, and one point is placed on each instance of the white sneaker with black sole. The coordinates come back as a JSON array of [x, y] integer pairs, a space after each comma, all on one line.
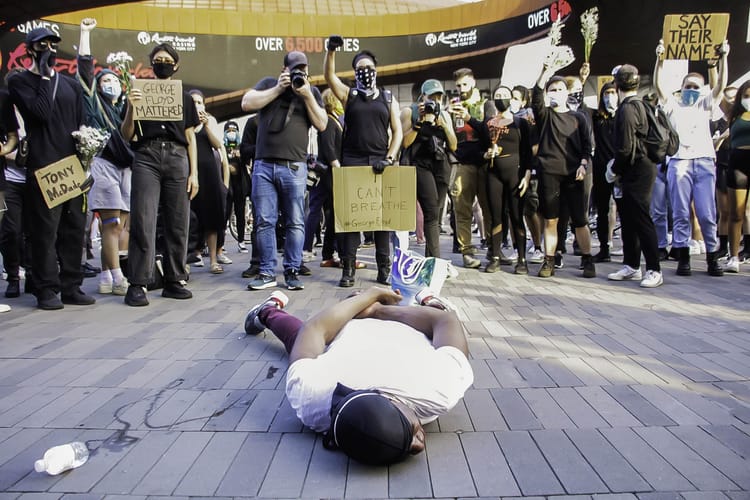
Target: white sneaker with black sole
[[652, 279]]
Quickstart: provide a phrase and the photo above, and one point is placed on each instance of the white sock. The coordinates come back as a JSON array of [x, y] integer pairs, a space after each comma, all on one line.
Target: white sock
[[117, 276], [105, 276]]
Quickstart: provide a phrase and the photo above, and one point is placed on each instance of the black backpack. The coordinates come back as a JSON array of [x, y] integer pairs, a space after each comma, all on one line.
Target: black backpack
[[661, 140]]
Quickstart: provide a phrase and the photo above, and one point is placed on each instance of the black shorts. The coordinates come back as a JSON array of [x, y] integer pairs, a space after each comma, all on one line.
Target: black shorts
[[739, 169], [556, 190]]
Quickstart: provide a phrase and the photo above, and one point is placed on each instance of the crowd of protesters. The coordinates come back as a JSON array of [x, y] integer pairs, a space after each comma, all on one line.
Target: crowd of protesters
[[513, 164]]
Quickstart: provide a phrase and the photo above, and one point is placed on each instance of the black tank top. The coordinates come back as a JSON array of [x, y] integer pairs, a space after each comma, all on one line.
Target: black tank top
[[366, 125]]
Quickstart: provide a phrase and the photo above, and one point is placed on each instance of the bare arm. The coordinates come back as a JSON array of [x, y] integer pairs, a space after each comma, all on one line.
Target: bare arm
[[84, 43], [442, 327], [315, 111], [216, 143], [397, 134], [321, 329], [657, 72], [721, 81], [447, 124], [11, 144], [409, 133], [192, 150], [254, 100], [338, 87], [127, 129]]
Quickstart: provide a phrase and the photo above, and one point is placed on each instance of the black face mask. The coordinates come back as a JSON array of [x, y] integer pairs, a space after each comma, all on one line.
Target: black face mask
[[502, 104], [577, 97], [51, 60], [163, 70]]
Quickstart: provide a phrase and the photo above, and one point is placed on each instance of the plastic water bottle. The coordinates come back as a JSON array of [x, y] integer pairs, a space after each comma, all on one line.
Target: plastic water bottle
[[61, 458]]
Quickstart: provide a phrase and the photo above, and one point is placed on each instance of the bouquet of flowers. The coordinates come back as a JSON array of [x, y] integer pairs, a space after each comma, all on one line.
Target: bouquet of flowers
[[589, 30], [120, 63], [89, 143], [559, 56]]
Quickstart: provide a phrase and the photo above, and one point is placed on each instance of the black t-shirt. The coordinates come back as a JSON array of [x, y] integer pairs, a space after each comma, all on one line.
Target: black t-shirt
[[171, 131], [564, 138], [367, 122], [604, 137], [329, 142], [49, 122], [514, 140], [283, 125]]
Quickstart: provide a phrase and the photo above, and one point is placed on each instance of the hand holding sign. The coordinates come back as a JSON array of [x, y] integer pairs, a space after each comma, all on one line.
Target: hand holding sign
[[158, 100], [696, 37]]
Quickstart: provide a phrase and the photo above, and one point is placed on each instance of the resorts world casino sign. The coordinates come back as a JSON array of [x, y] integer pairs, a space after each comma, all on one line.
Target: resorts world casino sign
[[217, 64]]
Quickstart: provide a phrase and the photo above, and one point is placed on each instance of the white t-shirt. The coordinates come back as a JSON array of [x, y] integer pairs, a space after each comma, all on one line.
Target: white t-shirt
[[693, 127], [391, 357]]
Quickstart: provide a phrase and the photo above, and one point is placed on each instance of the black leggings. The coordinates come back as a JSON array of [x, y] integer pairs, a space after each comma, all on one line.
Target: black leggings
[[502, 184], [432, 188]]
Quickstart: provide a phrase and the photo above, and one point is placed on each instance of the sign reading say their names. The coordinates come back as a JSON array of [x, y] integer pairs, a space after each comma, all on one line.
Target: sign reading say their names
[[365, 201], [161, 100], [694, 36], [61, 181]]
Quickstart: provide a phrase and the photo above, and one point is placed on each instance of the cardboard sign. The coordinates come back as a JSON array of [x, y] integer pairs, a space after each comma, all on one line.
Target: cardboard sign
[[61, 181], [364, 201], [694, 36], [161, 100]]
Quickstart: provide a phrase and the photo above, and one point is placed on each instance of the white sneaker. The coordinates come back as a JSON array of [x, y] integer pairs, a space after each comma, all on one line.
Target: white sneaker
[[242, 247], [652, 279], [223, 259], [732, 265], [106, 288], [120, 288], [617, 252], [627, 273], [695, 247], [537, 257], [308, 256]]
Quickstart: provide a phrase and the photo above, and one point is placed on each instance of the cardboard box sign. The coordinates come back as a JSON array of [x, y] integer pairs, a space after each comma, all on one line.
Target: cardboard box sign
[[161, 101], [364, 201], [61, 181], [694, 36]]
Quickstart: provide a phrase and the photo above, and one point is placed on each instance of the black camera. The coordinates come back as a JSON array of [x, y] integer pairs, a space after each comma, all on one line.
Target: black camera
[[298, 78], [316, 166], [431, 107]]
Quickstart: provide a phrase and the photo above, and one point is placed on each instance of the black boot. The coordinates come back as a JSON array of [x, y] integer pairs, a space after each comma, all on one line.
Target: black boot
[[714, 268], [347, 273], [603, 255], [384, 275], [683, 262]]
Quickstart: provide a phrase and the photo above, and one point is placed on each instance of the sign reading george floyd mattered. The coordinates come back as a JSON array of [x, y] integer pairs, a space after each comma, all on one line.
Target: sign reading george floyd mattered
[[694, 36], [365, 201], [61, 181], [161, 100]]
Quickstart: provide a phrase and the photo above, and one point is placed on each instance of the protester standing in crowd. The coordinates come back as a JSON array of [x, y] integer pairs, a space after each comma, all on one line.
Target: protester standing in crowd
[[52, 109], [509, 157], [603, 124], [471, 172], [564, 156], [372, 137], [287, 107], [209, 204], [105, 107], [691, 173], [720, 136], [428, 139], [239, 181], [247, 156], [636, 175], [739, 172], [321, 195], [165, 178], [12, 188]]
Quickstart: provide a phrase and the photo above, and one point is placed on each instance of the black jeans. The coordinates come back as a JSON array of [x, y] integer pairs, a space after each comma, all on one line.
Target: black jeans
[[602, 198], [502, 182], [56, 238], [432, 188], [239, 188], [12, 238], [160, 173], [321, 206], [638, 232]]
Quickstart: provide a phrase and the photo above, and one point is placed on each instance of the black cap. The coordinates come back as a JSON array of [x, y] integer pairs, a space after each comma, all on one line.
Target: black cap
[[41, 33], [295, 58], [626, 77], [231, 124], [369, 428]]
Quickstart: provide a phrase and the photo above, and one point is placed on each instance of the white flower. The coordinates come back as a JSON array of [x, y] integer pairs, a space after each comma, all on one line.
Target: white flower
[[89, 142], [589, 30]]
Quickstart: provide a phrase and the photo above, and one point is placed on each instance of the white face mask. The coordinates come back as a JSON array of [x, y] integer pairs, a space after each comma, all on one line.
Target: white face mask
[[610, 102], [111, 90], [745, 101], [515, 106]]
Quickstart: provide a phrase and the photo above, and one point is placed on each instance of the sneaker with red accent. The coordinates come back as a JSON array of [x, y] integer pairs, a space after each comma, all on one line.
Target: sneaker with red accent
[[253, 324]]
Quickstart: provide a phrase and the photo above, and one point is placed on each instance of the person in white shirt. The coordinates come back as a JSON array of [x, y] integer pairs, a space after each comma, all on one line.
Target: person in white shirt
[[369, 373], [691, 173]]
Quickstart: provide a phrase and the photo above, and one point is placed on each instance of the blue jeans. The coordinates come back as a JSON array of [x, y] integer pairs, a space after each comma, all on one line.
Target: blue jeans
[[693, 180], [279, 186], [660, 208]]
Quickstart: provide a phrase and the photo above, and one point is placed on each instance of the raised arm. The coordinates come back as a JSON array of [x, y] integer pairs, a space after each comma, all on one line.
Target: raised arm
[[660, 94], [321, 329], [338, 87], [313, 105], [721, 81], [218, 145]]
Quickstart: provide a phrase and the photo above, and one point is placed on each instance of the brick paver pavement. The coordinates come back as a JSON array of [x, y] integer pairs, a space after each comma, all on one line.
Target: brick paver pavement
[[586, 388]]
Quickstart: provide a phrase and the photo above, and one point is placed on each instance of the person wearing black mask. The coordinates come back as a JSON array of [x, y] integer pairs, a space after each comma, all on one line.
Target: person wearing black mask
[[165, 178], [52, 109], [509, 175], [604, 127], [372, 137]]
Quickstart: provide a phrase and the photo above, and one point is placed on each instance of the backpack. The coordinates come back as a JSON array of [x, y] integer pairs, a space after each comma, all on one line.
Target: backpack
[[661, 140]]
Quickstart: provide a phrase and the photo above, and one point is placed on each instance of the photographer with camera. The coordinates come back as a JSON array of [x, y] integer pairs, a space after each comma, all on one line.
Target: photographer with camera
[[428, 136], [372, 137], [287, 107]]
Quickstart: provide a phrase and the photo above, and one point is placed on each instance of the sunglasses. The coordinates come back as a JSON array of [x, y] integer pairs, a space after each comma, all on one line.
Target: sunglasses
[[44, 45]]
